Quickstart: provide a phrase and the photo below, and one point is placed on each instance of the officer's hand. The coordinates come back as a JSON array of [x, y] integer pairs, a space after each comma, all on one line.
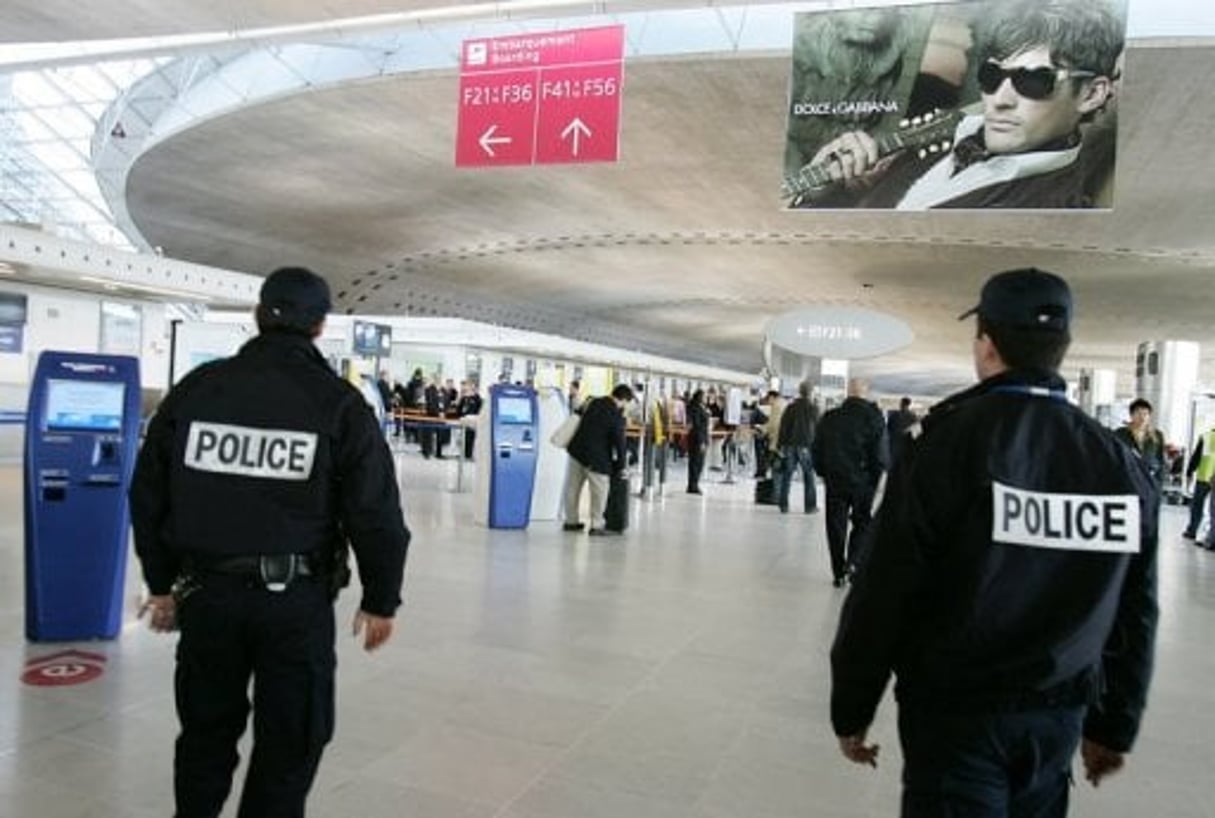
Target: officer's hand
[[1100, 761], [855, 749], [162, 612], [379, 629]]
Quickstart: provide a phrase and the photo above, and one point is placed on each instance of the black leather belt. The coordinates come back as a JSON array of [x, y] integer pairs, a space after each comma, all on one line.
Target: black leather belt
[[251, 564], [275, 571]]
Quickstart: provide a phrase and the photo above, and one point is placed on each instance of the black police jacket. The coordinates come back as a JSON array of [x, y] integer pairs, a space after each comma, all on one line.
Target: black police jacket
[[1013, 566], [268, 452]]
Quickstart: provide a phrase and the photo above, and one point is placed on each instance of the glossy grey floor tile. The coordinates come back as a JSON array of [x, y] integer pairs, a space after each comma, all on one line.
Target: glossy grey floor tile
[[679, 671]]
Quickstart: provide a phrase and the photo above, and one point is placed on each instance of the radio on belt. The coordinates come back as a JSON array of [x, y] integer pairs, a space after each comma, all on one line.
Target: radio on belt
[[81, 436]]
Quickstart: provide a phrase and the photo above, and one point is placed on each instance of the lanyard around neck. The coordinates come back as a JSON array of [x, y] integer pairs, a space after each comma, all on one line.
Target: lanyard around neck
[[1031, 391]]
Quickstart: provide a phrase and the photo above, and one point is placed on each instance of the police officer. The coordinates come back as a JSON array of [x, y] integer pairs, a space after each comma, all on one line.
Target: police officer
[[1011, 582], [255, 471]]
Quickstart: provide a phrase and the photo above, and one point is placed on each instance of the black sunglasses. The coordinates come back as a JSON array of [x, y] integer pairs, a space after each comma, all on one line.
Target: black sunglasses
[[1031, 83]]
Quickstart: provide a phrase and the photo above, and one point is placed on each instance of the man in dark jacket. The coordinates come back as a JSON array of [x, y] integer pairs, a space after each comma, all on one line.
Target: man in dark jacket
[[699, 436], [408, 396], [434, 402], [850, 454], [794, 442], [596, 451], [255, 471], [384, 385], [1011, 583], [469, 405], [898, 423]]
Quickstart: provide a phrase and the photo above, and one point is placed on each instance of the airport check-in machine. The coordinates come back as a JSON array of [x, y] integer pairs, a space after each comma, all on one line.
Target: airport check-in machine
[[507, 471], [81, 438]]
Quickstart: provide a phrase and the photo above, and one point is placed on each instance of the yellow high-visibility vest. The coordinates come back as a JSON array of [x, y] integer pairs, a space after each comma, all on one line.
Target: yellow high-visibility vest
[[1206, 463], [660, 436]]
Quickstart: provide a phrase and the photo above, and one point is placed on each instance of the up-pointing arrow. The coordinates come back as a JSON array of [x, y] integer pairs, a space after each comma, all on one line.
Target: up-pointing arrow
[[578, 129], [488, 140]]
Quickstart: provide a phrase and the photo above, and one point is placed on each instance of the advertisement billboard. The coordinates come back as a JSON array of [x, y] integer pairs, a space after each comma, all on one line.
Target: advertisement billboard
[[981, 104]]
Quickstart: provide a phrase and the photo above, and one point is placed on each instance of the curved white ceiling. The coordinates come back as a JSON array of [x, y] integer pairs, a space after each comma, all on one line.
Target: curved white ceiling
[[679, 249]]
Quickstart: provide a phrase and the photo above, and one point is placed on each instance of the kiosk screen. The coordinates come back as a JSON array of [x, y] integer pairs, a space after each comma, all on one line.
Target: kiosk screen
[[94, 406], [514, 410]]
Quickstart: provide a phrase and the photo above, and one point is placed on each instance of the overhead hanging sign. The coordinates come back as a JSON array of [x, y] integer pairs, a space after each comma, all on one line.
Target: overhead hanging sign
[[544, 98], [846, 333]]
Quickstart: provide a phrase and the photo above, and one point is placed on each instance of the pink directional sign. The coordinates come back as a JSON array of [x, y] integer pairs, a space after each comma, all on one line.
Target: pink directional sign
[[542, 98], [579, 117], [497, 119]]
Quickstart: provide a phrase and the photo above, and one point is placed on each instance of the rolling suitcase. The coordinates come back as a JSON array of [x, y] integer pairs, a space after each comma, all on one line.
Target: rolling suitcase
[[616, 515], [765, 493]]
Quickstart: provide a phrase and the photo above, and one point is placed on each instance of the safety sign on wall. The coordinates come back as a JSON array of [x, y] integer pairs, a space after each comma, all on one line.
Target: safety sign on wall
[[544, 98]]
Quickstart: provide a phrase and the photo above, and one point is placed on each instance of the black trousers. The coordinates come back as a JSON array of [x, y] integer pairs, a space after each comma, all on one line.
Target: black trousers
[[1197, 506], [846, 502], [233, 630], [433, 440], [1006, 765], [696, 464]]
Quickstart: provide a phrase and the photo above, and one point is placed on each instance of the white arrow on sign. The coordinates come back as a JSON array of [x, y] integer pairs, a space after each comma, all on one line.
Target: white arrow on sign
[[578, 128], [488, 140]]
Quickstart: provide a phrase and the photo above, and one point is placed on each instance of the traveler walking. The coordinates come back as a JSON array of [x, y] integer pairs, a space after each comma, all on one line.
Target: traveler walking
[[794, 441], [1143, 438], [850, 454]]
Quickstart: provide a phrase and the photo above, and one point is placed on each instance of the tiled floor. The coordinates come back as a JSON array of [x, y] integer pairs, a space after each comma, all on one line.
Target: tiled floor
[[677, 672]]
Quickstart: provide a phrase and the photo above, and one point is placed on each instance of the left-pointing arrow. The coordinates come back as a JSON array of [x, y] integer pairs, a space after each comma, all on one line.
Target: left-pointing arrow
[[488, 140]]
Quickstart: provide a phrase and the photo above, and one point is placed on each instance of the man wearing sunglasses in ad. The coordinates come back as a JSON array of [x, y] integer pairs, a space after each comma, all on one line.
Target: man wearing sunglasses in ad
[[1043, 67]]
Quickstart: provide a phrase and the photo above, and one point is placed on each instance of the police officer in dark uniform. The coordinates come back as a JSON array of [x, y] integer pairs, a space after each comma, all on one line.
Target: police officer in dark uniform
[[1010, 586], [255, 473]]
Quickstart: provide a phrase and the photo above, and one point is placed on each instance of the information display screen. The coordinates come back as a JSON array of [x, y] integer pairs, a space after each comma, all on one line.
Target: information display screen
[[372, 339], [514, 410], [94, 406]]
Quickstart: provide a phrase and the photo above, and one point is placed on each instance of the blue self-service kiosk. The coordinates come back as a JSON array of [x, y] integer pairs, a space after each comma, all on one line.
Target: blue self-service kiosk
[[81, 437], [514, 429]]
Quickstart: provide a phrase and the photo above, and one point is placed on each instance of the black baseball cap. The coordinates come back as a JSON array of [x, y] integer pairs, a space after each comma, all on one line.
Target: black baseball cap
[[1028, 298], [295, 296]]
